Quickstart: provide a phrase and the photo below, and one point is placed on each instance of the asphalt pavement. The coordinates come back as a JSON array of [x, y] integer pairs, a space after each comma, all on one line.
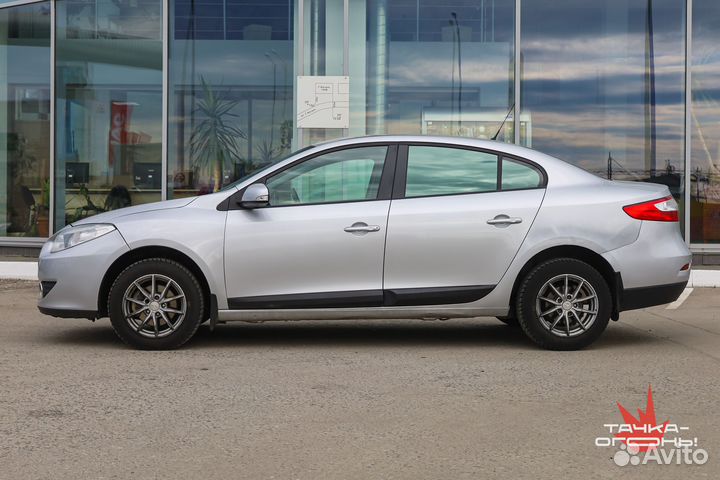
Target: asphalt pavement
[[344, 400]]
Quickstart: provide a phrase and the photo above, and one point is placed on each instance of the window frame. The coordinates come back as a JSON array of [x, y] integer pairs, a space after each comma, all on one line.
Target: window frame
[[400, 180], [385, 189]]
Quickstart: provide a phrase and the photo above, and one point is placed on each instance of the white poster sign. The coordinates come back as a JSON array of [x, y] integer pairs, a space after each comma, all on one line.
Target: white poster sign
[[323, 102]]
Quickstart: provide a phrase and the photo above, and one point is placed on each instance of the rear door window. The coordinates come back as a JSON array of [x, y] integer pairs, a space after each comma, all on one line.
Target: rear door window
[[437, 170]]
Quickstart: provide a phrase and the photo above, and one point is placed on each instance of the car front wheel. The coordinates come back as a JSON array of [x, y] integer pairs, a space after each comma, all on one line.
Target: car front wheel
[[155, 304], [563, 304]]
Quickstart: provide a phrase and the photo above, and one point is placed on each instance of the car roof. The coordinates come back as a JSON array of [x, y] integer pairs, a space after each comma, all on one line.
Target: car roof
[[494, 145]]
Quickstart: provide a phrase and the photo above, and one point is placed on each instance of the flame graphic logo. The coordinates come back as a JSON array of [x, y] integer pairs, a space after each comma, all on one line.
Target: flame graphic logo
[[645, 432]]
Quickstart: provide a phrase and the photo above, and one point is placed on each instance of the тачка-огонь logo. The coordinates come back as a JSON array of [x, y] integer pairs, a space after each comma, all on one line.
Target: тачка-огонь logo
[[643, 440]]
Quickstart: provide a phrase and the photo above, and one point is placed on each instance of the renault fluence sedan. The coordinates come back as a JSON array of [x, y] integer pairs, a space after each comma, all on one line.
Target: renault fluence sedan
[[378, 227]]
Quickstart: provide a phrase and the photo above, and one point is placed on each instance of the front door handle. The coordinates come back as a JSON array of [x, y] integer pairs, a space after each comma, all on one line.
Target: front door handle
[[504, 220], [361, 228]]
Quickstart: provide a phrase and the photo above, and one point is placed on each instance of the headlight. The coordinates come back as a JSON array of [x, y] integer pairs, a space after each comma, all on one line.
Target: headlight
[[71, 236]]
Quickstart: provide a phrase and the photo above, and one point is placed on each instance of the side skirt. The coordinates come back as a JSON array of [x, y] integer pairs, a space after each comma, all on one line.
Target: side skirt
[[415, 303], [364, 298], [439, 312]]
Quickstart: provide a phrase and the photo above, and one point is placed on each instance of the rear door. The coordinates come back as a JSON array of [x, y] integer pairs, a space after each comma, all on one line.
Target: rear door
[[457, 219]]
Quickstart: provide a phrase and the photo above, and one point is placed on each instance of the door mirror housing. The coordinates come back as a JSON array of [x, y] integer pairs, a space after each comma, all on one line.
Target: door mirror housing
[[255, 196]]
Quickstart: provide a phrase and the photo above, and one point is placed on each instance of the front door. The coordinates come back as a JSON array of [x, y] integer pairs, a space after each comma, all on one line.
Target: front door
[[457, 223], [321, 240]]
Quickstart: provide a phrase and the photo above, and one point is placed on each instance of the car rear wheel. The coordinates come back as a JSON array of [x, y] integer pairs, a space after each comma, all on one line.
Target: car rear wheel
[[563, 304], [156, 304]]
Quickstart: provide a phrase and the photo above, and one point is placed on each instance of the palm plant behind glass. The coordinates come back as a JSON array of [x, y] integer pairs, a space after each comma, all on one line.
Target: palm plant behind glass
[[214, 142]]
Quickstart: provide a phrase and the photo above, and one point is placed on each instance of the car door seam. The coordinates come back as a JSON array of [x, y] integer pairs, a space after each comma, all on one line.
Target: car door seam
[[522, 242]]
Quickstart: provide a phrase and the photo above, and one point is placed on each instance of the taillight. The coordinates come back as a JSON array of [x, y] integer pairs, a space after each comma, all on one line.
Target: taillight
[[658, 210]]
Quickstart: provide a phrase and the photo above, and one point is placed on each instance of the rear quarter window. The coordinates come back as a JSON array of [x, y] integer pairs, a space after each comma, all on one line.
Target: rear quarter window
[[519, 175]]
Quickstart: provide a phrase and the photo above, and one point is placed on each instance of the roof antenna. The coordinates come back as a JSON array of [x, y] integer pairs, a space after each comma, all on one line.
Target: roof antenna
[[494, 137]]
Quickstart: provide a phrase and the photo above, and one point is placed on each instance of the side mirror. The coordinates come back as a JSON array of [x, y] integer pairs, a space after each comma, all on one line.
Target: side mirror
[[255, 196]]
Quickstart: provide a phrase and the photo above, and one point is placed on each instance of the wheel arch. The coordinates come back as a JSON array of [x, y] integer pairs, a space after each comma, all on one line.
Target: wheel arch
[[141, 253], [584, 254]]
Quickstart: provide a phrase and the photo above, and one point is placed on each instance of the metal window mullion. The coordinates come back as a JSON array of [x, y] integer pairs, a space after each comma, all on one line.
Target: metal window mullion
[[52, 177], [300, 67], [688, 115], [516, 75], [165, 99], [346, 47]]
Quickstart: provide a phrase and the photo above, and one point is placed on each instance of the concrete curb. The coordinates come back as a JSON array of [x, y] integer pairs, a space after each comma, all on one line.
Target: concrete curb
[[704, 278], [19, 270], [28, 271]]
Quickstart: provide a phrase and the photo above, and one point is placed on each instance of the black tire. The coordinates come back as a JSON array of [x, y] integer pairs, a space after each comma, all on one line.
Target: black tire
[[509, 320], [184, 281], [528, 303]]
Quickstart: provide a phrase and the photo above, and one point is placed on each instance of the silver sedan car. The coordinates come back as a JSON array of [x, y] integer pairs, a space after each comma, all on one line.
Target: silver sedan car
[[378, 227]]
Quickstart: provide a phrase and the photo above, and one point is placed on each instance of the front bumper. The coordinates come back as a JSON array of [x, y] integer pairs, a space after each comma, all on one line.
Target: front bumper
[[64, 313], [77, 273]]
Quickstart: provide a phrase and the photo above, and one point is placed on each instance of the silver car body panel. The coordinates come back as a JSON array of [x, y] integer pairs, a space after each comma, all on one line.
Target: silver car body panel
[[197, 230], [654, 259], [78, 271], [446, 241], [265, 251], [112, 215], [310, 246]]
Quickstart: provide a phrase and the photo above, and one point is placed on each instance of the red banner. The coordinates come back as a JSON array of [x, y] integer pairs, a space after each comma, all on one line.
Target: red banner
[[119, 121]]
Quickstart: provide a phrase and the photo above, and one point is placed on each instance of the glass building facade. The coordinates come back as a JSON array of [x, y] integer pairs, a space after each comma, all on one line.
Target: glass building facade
[[110, 103]]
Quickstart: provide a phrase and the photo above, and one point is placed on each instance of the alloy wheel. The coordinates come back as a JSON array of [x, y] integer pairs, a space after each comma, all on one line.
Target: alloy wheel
[[567, 305], [154, 305]]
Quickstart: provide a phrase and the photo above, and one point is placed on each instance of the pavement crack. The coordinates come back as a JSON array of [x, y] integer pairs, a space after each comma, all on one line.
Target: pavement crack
[[683, 323], [670, 339]]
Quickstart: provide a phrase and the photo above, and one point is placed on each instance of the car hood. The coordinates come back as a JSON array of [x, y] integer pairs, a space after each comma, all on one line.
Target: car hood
[[109, 217]]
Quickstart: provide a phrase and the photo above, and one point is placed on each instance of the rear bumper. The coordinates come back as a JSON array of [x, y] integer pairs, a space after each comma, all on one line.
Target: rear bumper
[[634, 298]]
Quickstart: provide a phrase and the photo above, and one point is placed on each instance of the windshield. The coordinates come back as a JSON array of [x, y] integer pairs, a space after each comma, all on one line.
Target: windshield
[[265, 167]]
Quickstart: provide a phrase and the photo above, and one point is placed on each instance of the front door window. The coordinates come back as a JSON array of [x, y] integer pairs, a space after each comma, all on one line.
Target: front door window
[[342, 176]]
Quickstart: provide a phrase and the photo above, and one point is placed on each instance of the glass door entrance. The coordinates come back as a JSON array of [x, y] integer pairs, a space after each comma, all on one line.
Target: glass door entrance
[[25, 120]]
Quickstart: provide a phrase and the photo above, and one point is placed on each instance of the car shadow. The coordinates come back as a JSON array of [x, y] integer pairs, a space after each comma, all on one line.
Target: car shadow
[[359, 333], [483, 333]]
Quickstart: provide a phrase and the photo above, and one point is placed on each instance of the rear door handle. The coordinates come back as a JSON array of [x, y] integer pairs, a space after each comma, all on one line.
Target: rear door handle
[[360, 228], [504, 220]]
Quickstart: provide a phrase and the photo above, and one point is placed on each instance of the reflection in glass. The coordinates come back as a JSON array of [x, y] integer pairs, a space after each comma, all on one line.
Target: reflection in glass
[[108, 147], [517, 175], [231, 77], [344, 176], [705, 121], [603, 86], [449, 171], [323, 54], [434, 68], [24, 120]]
